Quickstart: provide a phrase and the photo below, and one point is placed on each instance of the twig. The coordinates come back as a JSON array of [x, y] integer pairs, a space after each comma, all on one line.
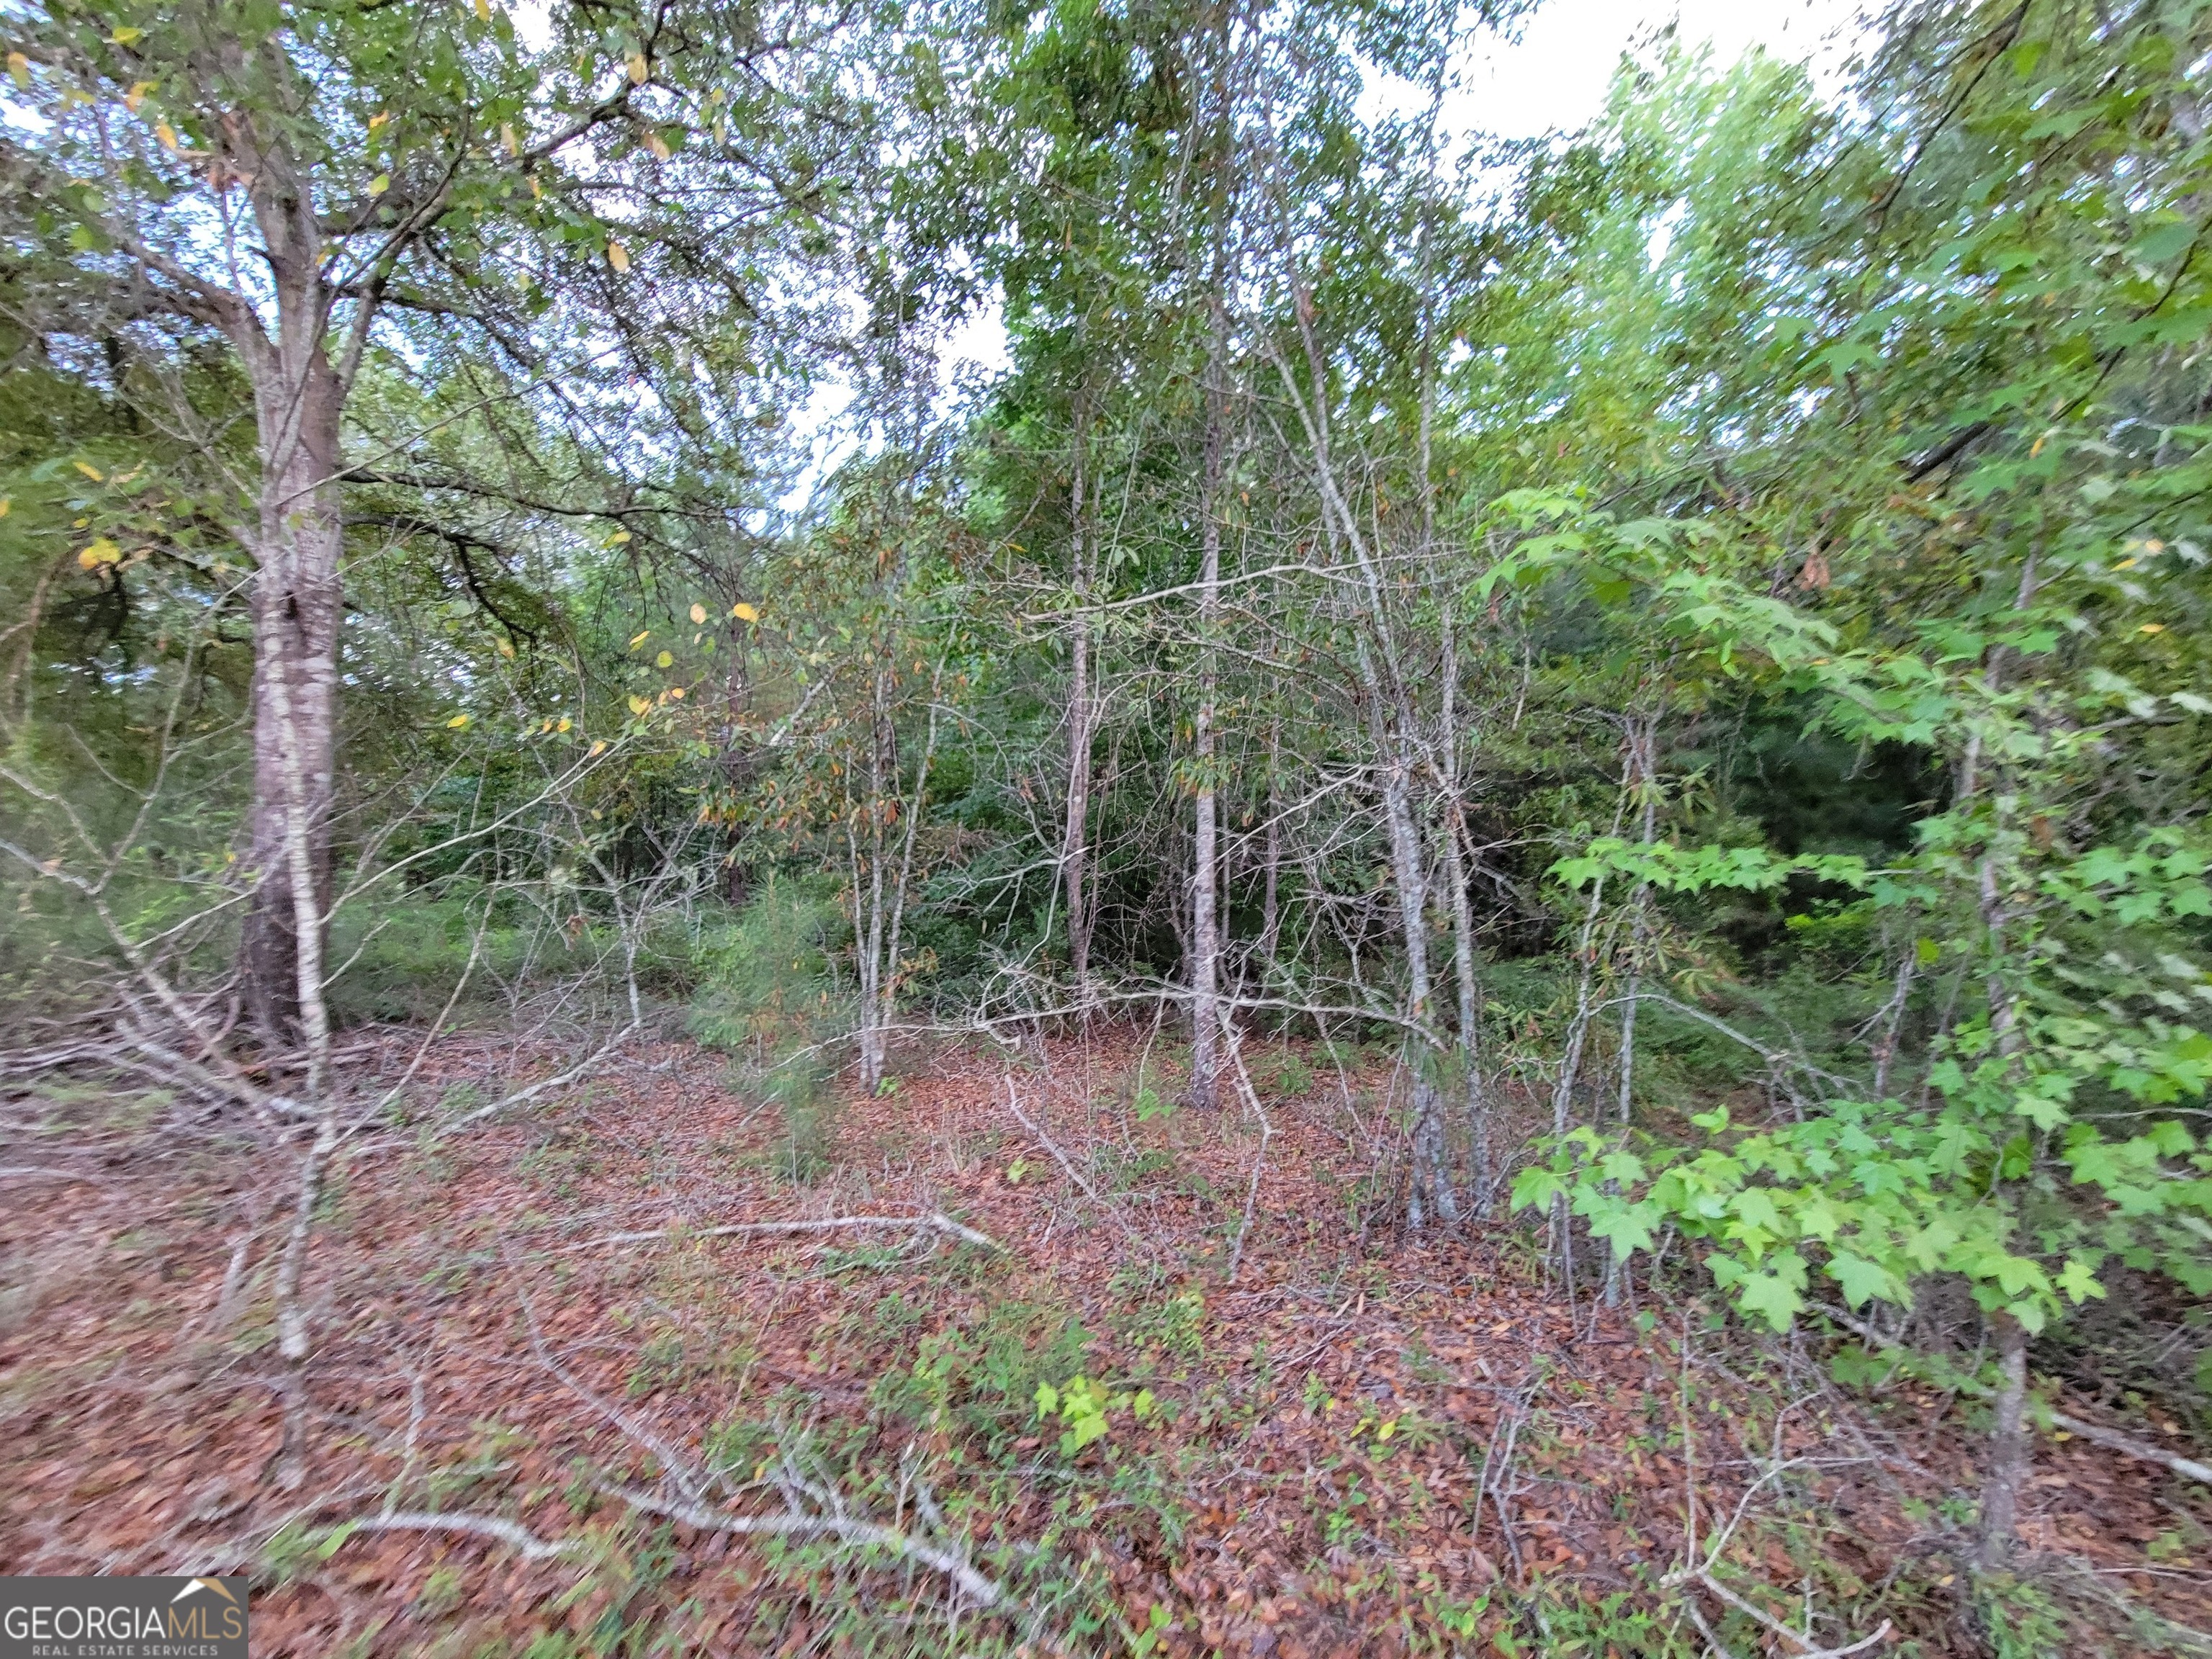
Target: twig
[[672, 1465], [14, 1173], [521, 1539], [1805, 1649], [522, 1096], [935, 1221], [1259, 1159], [1061, 1159], [984, 1591]]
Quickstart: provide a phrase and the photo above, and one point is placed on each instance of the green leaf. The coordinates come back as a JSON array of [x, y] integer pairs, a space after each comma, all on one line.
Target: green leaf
[[1534, 1187], [1863, 1281], [2078, 1281], [1768, 1296]]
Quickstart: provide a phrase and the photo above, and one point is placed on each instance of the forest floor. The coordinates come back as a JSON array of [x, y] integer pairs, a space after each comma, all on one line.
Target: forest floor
[[529, 1340]]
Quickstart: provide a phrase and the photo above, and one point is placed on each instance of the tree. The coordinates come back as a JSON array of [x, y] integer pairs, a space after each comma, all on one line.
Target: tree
[[306, 183]]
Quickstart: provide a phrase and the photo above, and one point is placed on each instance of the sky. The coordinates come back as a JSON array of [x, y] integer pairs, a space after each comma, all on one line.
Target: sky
[[1553, 78]]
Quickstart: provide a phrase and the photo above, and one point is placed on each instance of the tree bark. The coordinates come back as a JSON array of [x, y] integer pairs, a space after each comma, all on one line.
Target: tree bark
[[299, 396], [1206, 862], [296, 610], [2008, 1445], [1075, 844]]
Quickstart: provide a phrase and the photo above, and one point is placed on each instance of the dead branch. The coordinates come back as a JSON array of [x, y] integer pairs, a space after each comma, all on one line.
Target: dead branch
[[521, 1539], [935, 1221], [672, 1465], [1059, 1157], [1803, 1645], [984, 1591]]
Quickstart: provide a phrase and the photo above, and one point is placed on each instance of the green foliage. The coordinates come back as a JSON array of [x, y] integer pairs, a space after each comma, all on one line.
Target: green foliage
[[1085, 1407]]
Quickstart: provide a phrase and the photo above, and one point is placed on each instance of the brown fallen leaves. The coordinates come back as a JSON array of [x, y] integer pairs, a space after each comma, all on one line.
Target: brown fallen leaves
[[1368, 1444]]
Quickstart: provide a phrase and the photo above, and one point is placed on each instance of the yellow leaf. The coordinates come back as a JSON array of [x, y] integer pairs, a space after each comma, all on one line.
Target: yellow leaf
[[102, 551], [698, 613], [640, 639], [19, 68], [2152, 628], [125, 35], [599, 748], [4, 504], [506, 648], [618, 538], [638, 705], [483, 10], [89, 471], [663, 660], [167, 134], [676, 692], [744, 613], [617, 255], [379, 185], [564, 724], [456, 722], [658, 145], [136, 95], [379, 119], [535, 188], [506, 137], [638, 68]]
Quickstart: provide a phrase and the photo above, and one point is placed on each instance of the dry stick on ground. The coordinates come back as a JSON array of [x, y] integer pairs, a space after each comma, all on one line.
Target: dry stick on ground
[[521, 1539], [1234, 1041], [1069, 1169], [2112, 1439], [935, 1221], [1486, 1483], [673, 1466], [984, 1591], [1805, 1649]]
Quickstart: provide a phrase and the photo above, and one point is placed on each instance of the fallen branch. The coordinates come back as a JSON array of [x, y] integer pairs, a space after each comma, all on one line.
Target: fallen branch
[[984, 1591], [1236, 1041], [521, 1539], [2097, 1433], [672, 1465], [1802, 1643], [935, 1221], [523, 1096], [1059, 1157]]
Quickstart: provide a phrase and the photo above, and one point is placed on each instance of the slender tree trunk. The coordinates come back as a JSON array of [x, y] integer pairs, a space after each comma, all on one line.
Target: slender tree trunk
[[1205, 859], [1470, 1012], [1271, 915], [1075, 845], [2008, 1445]]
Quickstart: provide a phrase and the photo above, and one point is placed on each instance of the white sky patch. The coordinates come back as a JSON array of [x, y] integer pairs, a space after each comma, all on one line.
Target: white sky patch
[[1554, 78]]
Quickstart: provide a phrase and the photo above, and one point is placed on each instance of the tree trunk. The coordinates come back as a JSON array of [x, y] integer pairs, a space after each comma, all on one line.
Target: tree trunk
[[2008, 1445], [1075, 844], [1206, 859], [1470, 1012], [296, 612]]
